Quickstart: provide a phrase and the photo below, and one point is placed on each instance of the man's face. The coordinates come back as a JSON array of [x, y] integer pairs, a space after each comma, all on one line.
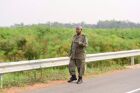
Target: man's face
[[78, 31]]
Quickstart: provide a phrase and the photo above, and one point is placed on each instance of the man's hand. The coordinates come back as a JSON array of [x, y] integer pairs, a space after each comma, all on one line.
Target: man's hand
[[80, 43]]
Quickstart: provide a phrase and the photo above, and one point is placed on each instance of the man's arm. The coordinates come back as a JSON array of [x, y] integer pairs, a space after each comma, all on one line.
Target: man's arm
[[84, 43]]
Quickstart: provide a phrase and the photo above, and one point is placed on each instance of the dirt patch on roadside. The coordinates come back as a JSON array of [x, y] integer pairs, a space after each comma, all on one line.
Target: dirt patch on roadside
[[133, 66], [32, 87]]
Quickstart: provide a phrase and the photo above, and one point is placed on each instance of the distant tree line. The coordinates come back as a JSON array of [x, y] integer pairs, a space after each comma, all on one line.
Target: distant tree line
[[100, 24], [117, 24]]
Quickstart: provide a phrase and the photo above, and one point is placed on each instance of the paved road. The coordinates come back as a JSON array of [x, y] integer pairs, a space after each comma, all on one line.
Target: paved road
[[127, 81]]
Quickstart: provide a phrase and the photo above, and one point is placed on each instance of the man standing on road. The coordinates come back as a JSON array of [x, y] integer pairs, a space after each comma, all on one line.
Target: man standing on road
[[77, 55]]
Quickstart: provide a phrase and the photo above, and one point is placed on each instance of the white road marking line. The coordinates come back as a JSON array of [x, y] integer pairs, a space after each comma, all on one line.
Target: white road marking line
[[133, 91]]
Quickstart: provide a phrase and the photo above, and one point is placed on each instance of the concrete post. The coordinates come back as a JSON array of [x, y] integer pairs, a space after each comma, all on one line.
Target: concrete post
[[132, 61], [1, 81], [85, 66]]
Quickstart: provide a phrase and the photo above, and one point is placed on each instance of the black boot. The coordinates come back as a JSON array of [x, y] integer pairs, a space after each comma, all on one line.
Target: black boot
[[79, 80], [73, 78]]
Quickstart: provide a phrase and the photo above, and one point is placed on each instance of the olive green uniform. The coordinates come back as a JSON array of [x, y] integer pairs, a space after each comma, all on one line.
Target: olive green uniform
[[77, 54]]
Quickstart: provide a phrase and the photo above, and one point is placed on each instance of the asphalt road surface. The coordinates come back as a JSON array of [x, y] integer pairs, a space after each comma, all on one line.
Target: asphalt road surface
[[127, 81]]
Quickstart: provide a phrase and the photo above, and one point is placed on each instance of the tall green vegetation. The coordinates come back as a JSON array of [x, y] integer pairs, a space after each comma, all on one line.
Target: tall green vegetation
[[42, 41]]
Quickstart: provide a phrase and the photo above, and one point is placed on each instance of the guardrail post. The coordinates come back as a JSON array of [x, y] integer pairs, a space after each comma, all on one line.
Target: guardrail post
[[85, 66], [132, 61], [1, 80]]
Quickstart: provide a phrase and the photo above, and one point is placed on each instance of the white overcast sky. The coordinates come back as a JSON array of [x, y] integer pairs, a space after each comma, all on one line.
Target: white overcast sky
[[67, 11]]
